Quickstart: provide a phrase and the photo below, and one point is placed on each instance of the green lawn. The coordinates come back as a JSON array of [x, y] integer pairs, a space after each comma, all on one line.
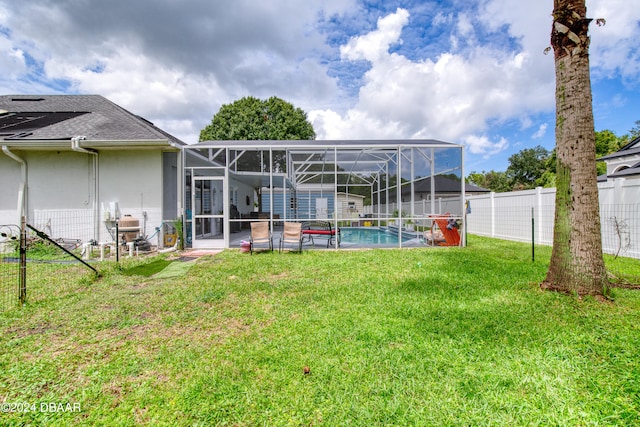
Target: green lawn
[[415, 337]]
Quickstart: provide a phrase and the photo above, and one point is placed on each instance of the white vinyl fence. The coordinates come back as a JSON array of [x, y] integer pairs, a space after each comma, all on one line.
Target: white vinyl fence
[[421, 208], [527, 215]]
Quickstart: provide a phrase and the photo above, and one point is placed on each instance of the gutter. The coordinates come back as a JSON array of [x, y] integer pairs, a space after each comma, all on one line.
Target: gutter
[[75, 146], [23, 185], [58, 144]]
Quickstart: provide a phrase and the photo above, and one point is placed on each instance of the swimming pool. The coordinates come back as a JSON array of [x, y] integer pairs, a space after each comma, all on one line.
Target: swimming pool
[[371, 236]]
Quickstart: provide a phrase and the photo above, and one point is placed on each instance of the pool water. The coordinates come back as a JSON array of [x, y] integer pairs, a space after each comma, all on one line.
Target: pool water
[[370, 236]]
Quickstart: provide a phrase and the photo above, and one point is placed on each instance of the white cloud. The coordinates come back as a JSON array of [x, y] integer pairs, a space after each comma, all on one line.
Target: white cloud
[[171, 64], [542, 130], [464, 26], [483, 145], [170, 96], [176, 64], [12, 60], [447, 99], [375, 45], [614, 46], [355, 124], [442, 19]]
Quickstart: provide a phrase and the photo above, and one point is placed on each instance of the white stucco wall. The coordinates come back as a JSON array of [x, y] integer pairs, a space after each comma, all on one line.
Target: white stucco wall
[[57, 180], [9, 187], [133, 179], [61, 192], [243, 190], [60, 180], [617, 164]]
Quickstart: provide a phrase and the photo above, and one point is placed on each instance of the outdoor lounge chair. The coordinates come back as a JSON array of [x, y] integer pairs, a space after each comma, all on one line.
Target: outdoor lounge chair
[[260, 235], [445, 226], [292, 234]]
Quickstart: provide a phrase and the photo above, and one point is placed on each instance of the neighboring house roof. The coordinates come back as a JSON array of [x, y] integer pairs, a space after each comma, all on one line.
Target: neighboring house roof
[[628, 150], [628, 153], [472, 188], [444, 184], [25, 118]]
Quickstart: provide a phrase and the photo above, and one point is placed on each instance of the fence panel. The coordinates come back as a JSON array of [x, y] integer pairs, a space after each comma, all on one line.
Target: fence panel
[[509, 216], [9, 266], [621, 229], [52, 267], [65, 224]]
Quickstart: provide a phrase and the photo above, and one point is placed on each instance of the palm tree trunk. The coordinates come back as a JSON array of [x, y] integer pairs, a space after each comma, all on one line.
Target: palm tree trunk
[[577, 264]]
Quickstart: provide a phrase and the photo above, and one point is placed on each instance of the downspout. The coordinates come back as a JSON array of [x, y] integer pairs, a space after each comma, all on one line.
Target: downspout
[[180, 172], [22, 198], [75, 146]]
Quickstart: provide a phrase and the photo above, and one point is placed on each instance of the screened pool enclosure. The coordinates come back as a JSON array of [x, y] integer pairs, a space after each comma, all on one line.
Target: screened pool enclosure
[[394, 187]]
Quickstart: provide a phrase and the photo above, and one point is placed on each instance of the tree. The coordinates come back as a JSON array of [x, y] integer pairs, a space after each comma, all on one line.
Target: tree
[[577, 265], [527, 167], [606, 142], [477, 178], [250, 118], [494, 181], [635, 131], [536, 167]]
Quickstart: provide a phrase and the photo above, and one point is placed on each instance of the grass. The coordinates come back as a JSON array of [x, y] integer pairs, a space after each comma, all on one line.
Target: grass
[[413, 337], [147, 269]]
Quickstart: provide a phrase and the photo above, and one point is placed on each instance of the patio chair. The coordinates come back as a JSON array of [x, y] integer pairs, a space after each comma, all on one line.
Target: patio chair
[[449, 229], [433, 236], [292, 234], [260, 235]]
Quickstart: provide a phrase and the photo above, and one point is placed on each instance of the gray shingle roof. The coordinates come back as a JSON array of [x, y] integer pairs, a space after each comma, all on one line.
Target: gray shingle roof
[[444, 184], [630, 149], [103, 121]]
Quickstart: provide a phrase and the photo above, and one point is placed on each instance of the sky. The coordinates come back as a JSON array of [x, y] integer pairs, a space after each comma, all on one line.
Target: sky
[[471, 72]]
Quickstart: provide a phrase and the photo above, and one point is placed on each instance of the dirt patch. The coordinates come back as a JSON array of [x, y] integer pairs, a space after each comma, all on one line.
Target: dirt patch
[[34, 330], [275, 277], [625, 286], [197, 253]]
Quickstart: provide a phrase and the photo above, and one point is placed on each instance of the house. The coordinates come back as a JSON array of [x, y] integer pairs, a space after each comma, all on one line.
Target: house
[[624, 163], [72, 164]]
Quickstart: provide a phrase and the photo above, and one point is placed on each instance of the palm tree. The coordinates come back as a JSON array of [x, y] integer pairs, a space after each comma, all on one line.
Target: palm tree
[[577, 264]]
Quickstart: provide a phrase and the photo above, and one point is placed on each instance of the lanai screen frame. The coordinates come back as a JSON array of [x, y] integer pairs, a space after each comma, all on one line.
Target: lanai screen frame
[[299, 163]]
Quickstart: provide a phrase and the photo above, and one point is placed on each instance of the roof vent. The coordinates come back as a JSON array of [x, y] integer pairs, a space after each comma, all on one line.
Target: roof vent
[[27, 99]]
